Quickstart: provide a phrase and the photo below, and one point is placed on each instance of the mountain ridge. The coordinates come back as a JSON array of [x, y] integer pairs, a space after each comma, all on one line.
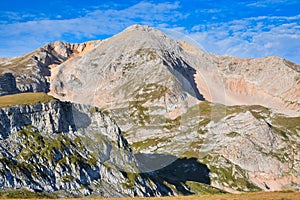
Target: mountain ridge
[[216, 76]]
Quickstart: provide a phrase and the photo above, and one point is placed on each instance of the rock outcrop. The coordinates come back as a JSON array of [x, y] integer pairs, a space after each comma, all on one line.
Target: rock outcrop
[[68, 150], [8, 84]]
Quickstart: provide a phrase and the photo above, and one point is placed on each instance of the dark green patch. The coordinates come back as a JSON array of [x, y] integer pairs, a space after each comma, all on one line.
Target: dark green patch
[[200, 188], [24, 194]]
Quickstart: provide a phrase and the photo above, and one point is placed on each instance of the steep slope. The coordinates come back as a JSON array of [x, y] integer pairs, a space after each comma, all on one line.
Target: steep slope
[[65, 149], [137, 63], [272, 81], [29, 72]]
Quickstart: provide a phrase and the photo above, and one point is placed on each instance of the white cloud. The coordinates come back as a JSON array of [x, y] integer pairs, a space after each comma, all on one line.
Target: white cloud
[[249, 37], [252, 37], [266, 3], [93, 24]]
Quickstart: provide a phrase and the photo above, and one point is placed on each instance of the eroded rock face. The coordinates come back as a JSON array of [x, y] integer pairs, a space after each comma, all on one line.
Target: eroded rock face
[[270, 82], [118, 67], [32, 70], [245, 148], [142, 55], [148, 81], [268, 155], [70, 149]]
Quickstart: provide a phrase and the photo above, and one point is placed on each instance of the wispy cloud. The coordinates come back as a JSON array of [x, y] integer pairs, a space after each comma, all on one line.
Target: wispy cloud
[[92, 25], [252, 37], [214, 27], [266, 3]]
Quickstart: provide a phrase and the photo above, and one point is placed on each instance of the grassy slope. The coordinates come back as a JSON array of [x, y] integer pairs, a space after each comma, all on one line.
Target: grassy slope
[[24, 99]]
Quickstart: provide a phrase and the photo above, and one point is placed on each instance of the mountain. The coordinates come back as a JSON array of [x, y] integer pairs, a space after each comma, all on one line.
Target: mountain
[[196, 122], [142, 56]]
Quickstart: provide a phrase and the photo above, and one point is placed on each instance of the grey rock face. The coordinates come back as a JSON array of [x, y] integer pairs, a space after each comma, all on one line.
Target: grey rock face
[[8, 84], [68, 148]]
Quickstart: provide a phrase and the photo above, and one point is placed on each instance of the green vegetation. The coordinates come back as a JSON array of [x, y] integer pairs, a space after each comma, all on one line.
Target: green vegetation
[[232, 134], [149, 53], [172, 123], [25, 99], [35, 145], [141, 145], [93, 110], [194, 120], [128, 66], [259, 112], [286, 122], [67, 178], [139, 112], [297, 79], [17, 64], [292, 65], [23, 194], [149, 92], [190, 154], [130, 180], [211, 112], [200, 188], [233, 175]]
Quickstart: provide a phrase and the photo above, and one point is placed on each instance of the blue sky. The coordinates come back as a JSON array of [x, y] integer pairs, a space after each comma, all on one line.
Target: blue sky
[[240, 28]]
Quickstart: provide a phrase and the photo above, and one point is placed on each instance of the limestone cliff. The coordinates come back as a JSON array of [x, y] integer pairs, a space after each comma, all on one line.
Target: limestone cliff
[[67, 149]]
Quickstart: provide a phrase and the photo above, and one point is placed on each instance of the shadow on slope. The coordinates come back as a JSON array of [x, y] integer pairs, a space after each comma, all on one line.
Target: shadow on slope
[[167, 170], [179, 67]]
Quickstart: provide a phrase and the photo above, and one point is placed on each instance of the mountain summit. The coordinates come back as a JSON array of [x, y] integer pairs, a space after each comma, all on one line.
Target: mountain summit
[[123, 68]]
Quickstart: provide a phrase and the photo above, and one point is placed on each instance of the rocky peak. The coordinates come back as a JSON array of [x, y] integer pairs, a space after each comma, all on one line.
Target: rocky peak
[[126, 66]]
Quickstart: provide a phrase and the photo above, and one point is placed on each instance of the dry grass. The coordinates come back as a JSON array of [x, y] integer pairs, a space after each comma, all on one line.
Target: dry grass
[[244, 196], [24, 99]]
